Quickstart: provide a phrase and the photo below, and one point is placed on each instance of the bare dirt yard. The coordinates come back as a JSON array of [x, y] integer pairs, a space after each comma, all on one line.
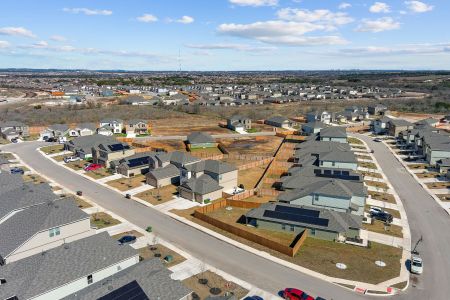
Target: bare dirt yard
[[255, 145]]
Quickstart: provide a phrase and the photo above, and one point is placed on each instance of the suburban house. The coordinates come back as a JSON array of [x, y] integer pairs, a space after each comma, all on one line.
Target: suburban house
[[84, 129], [82, 146], [331, 193], [205, 180], [149, 279], [239, 123], [443, 165], [431, 122], [297, 173], [318, 222], [436, 147], [41, 227], [395, 126], [135, 164], [279, 121], [338, 160], [13, 129], [333, 134], [377, 110], [380, 125], [198, 140], [66, 269], [314, 127], [113, 125], [107, 152], [321, 116], [55, 131], [136, 127]]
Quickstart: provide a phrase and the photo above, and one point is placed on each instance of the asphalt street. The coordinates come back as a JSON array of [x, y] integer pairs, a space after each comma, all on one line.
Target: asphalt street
[[426, 218]]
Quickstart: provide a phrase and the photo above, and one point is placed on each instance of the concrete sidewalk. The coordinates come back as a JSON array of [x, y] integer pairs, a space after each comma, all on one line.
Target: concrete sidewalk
[[109, 178]]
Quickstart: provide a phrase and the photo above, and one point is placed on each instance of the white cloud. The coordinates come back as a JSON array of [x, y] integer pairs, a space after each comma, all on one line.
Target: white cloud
[[281, 32], [227, 46], [88, 12], [344, 5], [380, 7], [17, 31], [147, 18], [314, 16], [58, 38], [185, 20], [418, 6], [378, 25], [255, 3], [4, 44]]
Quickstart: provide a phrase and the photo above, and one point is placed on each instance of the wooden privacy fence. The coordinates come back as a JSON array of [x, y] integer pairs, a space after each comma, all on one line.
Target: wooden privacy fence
[[255, 164], [290, 250]]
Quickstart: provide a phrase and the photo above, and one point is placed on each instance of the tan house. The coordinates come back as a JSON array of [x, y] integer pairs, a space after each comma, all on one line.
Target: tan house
[[105, 153]]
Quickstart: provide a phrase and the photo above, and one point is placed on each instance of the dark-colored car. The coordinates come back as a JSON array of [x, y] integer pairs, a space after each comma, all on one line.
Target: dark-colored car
[[79, 193], [296, 294], [17, 171], [127, 239], [253, 298], [320, 298], [382, 216], [377, 140], [51, 140]]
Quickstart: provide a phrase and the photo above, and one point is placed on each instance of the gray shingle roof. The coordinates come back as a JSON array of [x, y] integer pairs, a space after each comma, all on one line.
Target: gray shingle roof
[[26, 223], [151, 275], [168, 171], [338, 156], [40, 273], [211, 166], [333, 132], [86, 143], [181, 158], [200, 138], [202, 185]]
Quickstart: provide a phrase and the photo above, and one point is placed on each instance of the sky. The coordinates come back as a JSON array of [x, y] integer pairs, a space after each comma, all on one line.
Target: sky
[[204, 35]]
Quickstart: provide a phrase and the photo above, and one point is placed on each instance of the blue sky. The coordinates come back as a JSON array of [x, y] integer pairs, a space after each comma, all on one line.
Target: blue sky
[[225, 34]]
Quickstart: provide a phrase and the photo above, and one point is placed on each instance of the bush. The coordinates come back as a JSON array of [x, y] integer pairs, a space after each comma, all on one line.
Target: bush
[[207, 201]]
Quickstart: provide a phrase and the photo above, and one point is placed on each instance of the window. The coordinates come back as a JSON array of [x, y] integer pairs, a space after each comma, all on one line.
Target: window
[[90, 280], [321, 162], [292, 227], [312, 231], [283, 226], [333, 164], [316, 197], [54, 232]]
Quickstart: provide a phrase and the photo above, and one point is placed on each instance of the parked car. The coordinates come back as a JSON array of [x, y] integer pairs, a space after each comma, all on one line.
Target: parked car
[[253, 298], [92, 167], [374, 209], [79, 193], [382, 216], [127, 239], [320, 298], [416, 265], [14, 140], [377, 140], [50, 140], [69, 159], [296, 294], [17, 170]]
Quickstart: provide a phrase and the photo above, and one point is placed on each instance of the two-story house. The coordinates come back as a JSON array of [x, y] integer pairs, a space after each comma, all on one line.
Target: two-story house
[[113, 125], [13, 129], [105, 153], [136, 127]]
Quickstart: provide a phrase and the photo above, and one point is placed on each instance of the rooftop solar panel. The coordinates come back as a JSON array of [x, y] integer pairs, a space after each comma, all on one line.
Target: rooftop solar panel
[[138, 162], [116, 147], [296, 218], [129, 291], [297, 211]]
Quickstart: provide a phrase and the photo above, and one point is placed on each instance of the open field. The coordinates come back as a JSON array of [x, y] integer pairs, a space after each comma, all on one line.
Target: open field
[[256, 145], [214, 281], [149, 252], [125, 184], [165, 194], [102, 220], [249, 178]]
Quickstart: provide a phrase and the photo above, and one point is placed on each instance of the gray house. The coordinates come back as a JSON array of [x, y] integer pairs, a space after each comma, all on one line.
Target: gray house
[[200, 140], [318, 222], [279, 121], [333, 134], [135, 164], [82, 146], [314, 127], [237, 122], [13, 129]]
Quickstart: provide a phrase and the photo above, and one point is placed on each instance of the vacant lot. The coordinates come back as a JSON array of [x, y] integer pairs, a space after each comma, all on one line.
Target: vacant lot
[[249, 178], [125, 184], [438, 185], [102, 220], [158, 196], [161, 251], [52, 149], [258, 145], [379, 227], [214, 281], [382, 197]]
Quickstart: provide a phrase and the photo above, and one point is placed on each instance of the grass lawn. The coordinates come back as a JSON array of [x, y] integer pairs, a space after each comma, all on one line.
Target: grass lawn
[[214, 281], [438, 185], [322, 256], [359, 147], [371, 174], [393, 212], [77, 165], [99, 173], [81, 203], [382, 197], [7, 155], [206, 151], [102, 220], [132, 232], [444, 197], [147, 253], [352, 140], [378, 227], [4, 141], [418, 166], [52, 149], [125, 184], [428, 175], [151, 196], [368, 165], [364, 157], [379, 185], [34, 178], [250, 177], [59, 157]]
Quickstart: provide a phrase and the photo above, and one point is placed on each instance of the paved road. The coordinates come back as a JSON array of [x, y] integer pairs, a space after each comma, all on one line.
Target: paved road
[[216, 136], [252, 268], [427, 219]]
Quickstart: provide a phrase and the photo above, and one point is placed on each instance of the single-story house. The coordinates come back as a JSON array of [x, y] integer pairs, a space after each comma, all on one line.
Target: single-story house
[[279, 121], [333, 134], [198, 140], [313, 127]]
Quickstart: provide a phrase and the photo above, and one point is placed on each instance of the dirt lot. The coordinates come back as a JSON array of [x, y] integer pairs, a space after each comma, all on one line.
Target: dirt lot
[[214, 281], [165, 194], [169, 146], [181, 128], [125, 184], [147, 253], [249, 178], [256, 145]]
